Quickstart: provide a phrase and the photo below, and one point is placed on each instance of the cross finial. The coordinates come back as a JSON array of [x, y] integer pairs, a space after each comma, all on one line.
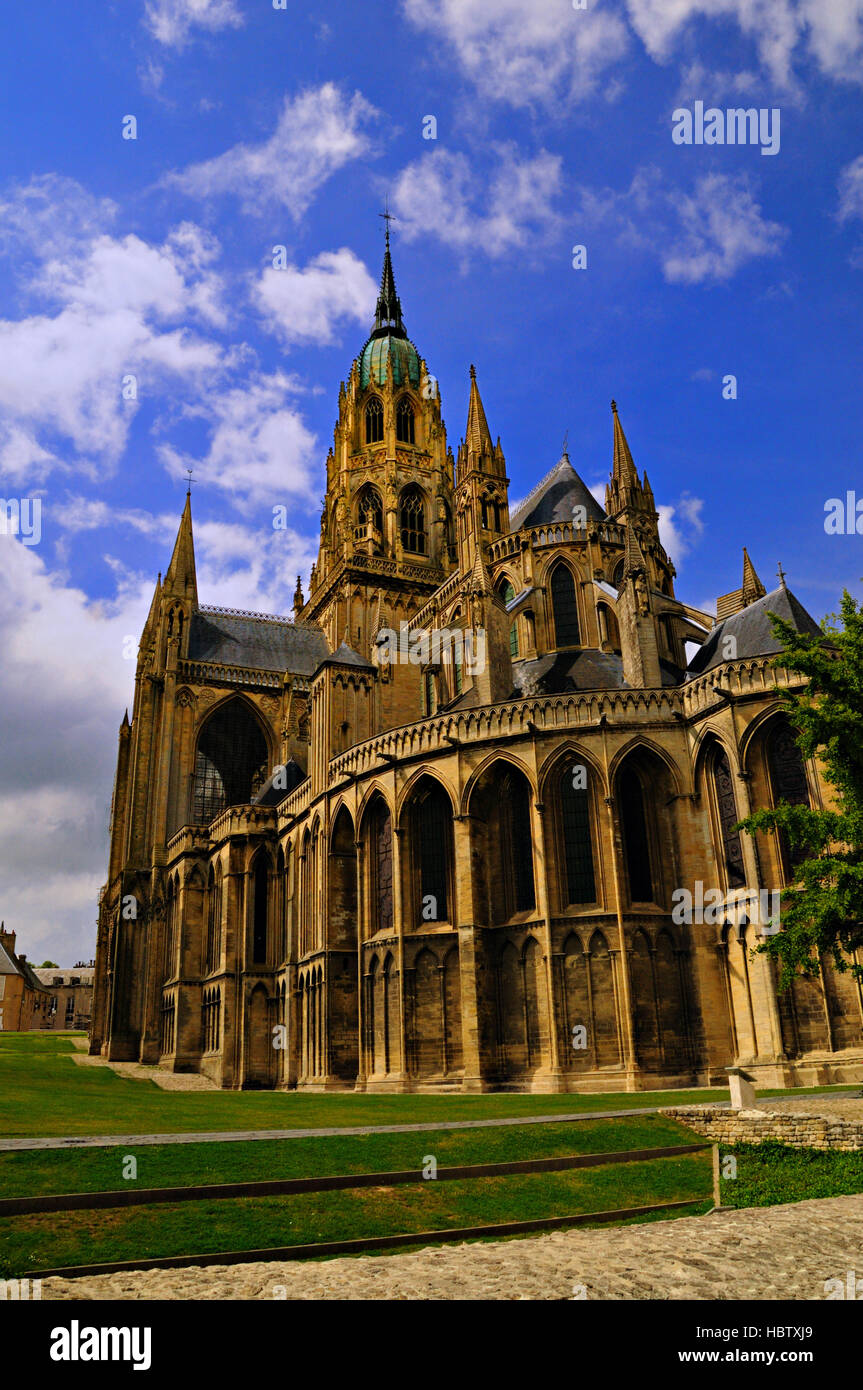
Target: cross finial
[[388, 218], [189, 481], [781, 573]]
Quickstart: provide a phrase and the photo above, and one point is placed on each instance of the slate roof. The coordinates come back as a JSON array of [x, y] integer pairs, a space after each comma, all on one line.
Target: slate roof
[[345, 656], [272, 796], [265, 644], [752, 629], [585, 669], [554, 498], [8, 965]]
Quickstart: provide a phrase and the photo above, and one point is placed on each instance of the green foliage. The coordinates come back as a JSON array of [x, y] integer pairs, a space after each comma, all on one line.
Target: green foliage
[[774, 1172], [822, 913], [48, 965]]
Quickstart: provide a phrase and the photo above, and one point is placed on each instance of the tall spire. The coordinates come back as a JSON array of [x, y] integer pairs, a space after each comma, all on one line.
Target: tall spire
[[388, 314], [477, 436], [623, 468], [180, 578]]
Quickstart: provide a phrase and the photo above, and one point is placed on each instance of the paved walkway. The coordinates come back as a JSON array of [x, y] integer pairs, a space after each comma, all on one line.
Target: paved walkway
[[103, 1141], [850, 1107], [759, 1253]]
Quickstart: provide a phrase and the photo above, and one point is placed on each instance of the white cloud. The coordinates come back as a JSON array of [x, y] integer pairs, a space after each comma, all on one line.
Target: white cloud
[[721, 228], [102, 308], [851, 191], [50, 216], [441, 195], [830, 32], [305, 305], [171, 21], [680, 525], [526, 51], [318, 132], [261, 451], [55, 792], [707, 235]]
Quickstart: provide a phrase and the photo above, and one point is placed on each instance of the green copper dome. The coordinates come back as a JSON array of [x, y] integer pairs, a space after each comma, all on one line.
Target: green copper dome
[[402, 353]]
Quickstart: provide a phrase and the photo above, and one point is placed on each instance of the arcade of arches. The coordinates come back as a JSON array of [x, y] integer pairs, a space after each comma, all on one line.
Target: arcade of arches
[[438, 939]]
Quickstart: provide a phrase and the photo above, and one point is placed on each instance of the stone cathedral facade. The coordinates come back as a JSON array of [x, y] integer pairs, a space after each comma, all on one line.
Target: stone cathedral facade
[[337, 862]]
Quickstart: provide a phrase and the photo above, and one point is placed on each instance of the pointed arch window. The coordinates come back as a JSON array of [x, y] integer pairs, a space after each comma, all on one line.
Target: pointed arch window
[[564, 607], [370, 514], [726, 805], [405, 422], [412, 521], [432, 843], [381, 865], [230, 762], [516, 834], [580, 882], [507, 593], [787, 781], [374, 421], [635, 837]]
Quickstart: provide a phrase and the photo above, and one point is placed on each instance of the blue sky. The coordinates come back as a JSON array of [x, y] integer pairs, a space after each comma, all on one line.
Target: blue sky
[[259, 127]]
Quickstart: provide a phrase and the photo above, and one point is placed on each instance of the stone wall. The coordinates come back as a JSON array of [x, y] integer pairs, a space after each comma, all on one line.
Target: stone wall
[[730, 1127]]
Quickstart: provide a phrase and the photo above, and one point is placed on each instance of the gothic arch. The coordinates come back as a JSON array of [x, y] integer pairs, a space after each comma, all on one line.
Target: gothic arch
[[409, 788], [500, 799], [498, 756], [562, 584], [428, 866], [638, 742], [570, 753], [413, 519], [233, 753]]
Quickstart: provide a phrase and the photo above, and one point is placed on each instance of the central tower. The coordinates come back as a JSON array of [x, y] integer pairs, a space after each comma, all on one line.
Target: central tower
[[387, 539]]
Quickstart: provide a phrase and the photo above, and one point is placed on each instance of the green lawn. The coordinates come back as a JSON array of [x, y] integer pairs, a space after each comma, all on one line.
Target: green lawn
[[71, 1238], [34, 1172], [43, 1092]]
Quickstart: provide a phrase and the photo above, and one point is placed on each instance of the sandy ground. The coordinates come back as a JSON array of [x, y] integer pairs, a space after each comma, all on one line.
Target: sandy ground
[[760, 1253], [168, 1080], [847, 1107]]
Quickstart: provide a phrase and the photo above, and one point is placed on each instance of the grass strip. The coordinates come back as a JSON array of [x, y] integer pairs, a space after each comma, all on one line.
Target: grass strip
[[31, 1243], [35, 1172]]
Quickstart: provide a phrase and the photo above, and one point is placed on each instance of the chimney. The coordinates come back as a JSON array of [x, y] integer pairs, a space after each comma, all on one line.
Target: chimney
[[7, 938]]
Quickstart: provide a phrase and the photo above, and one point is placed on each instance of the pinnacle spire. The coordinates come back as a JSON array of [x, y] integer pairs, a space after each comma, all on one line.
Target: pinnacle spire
[[633, 556], [479, 580], [623, 468], [180, 578], [752, 587], [477, 436], [388, 314]]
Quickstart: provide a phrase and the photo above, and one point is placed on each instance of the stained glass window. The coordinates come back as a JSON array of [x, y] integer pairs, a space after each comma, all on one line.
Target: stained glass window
[[564, 607], [231, 761]]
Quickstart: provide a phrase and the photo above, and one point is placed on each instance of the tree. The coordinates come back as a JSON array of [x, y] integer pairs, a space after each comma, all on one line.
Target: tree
[[49, 965], [822, 912]]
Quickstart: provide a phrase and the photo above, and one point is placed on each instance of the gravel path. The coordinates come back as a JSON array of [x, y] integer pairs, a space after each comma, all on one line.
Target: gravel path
[[761, 1253]]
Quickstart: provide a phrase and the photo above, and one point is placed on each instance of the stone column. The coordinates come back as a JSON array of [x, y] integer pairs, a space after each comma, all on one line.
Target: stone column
[[469, 958]]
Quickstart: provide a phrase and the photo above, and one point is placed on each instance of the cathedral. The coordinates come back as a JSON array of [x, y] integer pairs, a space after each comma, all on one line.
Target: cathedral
[[432, 832]]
